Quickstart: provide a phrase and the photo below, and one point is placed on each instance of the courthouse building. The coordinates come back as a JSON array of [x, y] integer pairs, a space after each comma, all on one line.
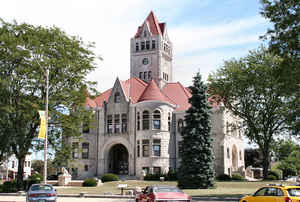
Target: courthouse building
[[138, 122]]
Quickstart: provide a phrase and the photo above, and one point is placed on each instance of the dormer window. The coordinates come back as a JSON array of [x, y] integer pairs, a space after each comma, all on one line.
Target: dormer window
[[145, 33], [117, 97]]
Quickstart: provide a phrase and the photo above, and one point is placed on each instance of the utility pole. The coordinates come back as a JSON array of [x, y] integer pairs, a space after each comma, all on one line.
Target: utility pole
[[46, 132]]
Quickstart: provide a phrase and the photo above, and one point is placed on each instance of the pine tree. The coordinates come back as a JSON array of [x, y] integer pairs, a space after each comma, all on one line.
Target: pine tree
[[195, 150]]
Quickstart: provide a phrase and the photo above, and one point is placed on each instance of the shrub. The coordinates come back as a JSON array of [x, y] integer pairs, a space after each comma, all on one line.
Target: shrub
[[237, 177], [90, 182], [223, 177], [33, 179], [276, 173], [153, 177], [108, 177], [271, 177], [10, 186], [171, 176]]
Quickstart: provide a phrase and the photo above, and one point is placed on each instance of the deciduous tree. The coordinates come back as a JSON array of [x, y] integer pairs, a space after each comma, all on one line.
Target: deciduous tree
[[249, 88], [26, 51]]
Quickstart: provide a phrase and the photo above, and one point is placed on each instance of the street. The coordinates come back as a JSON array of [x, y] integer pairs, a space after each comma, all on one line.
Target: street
[[77, 199]]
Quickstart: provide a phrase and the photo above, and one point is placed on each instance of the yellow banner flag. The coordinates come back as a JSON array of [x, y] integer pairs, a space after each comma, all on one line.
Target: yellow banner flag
[[42, 133]]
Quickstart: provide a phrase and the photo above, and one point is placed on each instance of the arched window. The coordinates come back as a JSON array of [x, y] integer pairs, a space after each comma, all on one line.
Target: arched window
[[156, 119], [85, 150], [180, 125], [117, 97], [146, 122]]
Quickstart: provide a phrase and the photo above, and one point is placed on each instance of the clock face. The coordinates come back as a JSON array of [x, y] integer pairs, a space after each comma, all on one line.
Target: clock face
[[145, 61]]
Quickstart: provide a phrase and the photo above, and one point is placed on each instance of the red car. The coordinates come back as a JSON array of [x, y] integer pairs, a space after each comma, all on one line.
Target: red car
[[162, 193]]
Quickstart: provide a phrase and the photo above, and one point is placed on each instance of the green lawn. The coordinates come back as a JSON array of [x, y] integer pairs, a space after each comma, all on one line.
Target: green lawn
[[222, 188]]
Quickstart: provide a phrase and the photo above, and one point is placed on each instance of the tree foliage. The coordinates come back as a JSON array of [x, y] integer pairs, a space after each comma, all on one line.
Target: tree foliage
[[284, 40], [195, 150], [284, 148], [285, 15], [249, 88], [26, 51]]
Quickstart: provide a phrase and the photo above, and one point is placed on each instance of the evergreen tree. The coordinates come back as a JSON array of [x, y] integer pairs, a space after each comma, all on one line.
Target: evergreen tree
[[195, 150]]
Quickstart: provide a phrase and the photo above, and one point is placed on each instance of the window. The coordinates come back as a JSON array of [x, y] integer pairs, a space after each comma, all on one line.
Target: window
[[153, 44], [145, 33], [146, 120], [149, 75], [85, 127], [138, 121], [138, 148], [117, 97], [156, 170], [13, 164], [109, 124], [240, 155], [29, 163], [117, 123], [85, 150], [146, 152], [75, 150], [136, 46], [142, 45], [140, 75], [228, 153], [124, 123], [156, 119], [180, 125], [145, 75], [169, 121], [156, 147], [86, 167], [147, 45]]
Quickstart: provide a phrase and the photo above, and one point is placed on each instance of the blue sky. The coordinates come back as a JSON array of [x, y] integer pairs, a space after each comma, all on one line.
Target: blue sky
[[204, 32]]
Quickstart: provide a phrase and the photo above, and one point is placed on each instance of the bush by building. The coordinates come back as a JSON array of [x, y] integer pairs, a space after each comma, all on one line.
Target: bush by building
[[90, 182], [224, 177], [237, 177], [9, 186], [109, 177]]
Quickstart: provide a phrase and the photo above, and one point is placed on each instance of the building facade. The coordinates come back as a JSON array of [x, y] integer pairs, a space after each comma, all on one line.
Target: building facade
[[138, 122]]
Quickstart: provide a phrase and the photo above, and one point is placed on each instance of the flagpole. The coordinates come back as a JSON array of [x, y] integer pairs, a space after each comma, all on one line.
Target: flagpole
[[46, 131]]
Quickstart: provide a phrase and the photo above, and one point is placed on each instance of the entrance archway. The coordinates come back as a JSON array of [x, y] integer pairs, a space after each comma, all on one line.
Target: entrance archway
[[118, 160]]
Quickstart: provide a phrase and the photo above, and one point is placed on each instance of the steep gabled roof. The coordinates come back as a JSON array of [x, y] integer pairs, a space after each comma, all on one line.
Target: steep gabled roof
[[179, 94], [90, 103], [133, 88], [155, 27], [103, 97]]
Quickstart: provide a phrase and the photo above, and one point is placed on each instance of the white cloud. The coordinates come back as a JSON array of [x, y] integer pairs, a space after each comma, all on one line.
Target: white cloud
[[111, 24]]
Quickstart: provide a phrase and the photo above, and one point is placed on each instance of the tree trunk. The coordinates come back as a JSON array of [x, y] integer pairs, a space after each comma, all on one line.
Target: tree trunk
[[266, 164], [20, 174]]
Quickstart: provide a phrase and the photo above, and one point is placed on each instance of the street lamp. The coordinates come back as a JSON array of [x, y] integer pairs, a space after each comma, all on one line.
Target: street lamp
[[46, 131]]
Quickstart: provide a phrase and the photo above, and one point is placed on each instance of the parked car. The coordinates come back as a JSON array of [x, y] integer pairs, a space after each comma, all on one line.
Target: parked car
[[275, 193], [41, 193], [162, 193]]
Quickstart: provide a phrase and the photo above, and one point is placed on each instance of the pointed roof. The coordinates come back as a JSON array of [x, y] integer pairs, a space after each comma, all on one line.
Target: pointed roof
[[133, 88], [155, 27], [152, 92]]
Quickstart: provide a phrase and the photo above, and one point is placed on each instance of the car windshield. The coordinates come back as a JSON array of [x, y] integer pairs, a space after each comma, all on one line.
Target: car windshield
[[166, 189], [294, 192], [41, 187]]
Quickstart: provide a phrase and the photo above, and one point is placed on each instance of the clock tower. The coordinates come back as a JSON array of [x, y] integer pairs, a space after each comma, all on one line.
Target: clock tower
[[151, 52]]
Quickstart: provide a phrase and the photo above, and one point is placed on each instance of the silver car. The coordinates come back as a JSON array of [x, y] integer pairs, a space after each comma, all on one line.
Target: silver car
[[41, 193]]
